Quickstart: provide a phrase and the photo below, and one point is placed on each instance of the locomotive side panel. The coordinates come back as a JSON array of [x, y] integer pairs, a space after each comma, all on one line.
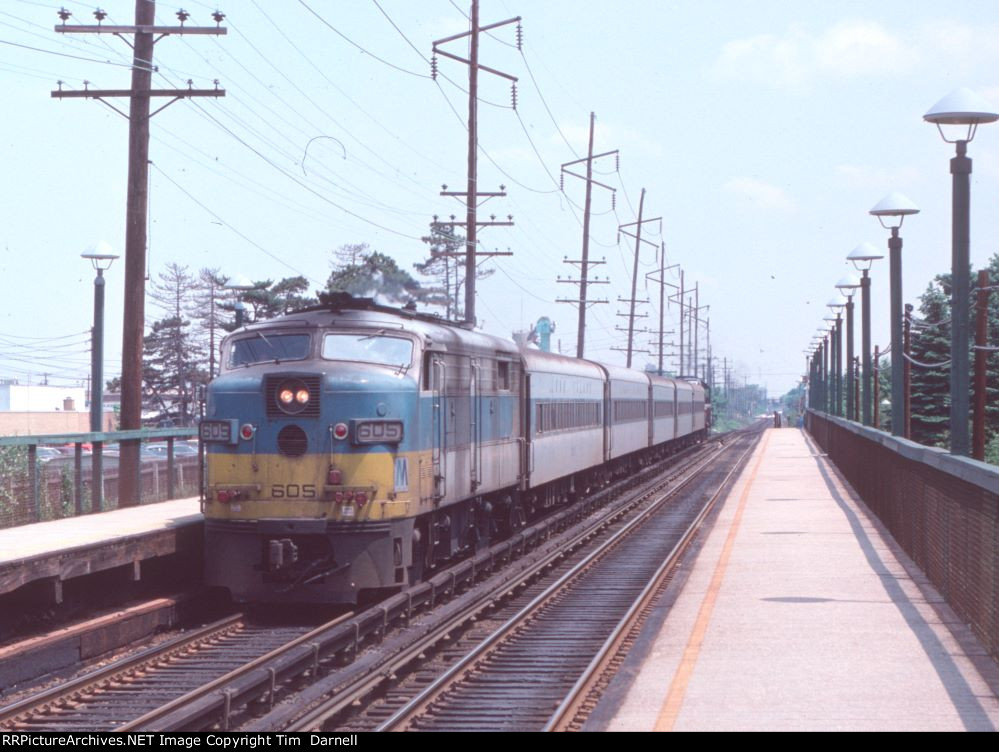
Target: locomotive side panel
[[480, 405]]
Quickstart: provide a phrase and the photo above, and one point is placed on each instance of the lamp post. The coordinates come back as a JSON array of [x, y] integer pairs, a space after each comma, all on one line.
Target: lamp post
[[848, 285], [836, 305], [100, 257], [824, 369], [962, 108], [830, 364], [813, 390], [862, 257], [891, 209], [239, 284]]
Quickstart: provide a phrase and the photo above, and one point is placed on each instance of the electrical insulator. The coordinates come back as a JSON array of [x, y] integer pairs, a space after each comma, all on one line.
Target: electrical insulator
[[100, 15], [561, 181], [218, 16], [520, 37], [614, 201], [513, 95], [64, 14], [617, 162], [433, 67]]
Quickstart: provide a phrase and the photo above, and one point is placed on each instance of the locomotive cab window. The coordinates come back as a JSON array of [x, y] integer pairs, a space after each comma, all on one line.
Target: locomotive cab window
[[268, 348], [369, 348]]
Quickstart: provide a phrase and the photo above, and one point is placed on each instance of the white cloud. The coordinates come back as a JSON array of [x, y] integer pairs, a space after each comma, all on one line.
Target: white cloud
[[850, 49], [756, 194]]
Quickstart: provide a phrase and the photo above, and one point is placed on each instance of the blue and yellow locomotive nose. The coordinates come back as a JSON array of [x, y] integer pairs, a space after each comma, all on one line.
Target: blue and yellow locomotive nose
[[295, 444], [312, 481]]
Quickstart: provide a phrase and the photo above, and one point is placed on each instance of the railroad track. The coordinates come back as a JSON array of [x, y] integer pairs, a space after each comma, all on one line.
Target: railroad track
[[544, 668], [364, 695], [224, 675]]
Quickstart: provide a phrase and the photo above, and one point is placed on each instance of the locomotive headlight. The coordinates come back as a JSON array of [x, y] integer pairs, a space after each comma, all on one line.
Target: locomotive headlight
[[293, 396]]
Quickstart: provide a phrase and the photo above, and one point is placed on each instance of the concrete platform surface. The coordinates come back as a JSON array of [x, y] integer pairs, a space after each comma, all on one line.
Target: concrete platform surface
[[801, 613], [74, 546]]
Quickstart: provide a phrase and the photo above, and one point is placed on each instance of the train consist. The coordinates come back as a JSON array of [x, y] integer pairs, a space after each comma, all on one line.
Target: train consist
[[352, 447]]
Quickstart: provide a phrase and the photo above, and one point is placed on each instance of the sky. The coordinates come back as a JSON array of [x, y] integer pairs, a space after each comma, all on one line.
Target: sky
[[762, 132]]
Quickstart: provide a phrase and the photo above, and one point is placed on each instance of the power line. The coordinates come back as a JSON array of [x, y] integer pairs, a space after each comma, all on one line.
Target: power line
[[311, 190], [355, 44], [64, 54], [226, 224]]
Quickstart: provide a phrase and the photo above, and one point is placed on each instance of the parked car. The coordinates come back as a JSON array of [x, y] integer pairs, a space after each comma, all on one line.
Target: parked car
[[159, 450], [47, 453]]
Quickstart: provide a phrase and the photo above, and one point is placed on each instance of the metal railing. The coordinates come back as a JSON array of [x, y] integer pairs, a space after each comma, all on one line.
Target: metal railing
[[38, 485], [943, 510]]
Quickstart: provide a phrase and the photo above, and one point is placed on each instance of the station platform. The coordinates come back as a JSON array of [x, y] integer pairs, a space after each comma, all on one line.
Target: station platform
[[799, 612], [60, 550]]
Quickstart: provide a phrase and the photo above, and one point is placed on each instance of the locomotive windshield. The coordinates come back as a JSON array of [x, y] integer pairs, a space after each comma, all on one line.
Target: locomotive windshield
[[369, 348], [265, 348]]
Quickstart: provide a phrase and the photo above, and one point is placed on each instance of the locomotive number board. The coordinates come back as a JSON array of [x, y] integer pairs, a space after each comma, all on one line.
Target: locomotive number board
[[219, 431]]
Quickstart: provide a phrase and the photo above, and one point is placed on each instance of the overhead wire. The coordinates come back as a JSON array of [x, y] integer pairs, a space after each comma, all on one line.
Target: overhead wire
[[252, 242], [355, 44]]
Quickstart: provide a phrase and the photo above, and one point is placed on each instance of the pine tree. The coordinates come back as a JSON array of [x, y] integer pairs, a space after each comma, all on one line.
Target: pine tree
[[173, 360], [377, 275], [992, 363], [269, 299], [930, 395], [171, 369], [211, 311], [446, 270]]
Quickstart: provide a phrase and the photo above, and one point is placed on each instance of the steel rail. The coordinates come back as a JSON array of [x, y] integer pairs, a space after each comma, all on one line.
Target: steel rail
[[148, 721], [417, 704], [563, 717], [75, 688], [349, 691]]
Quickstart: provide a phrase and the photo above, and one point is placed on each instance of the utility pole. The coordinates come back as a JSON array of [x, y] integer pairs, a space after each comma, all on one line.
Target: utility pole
[[679, 296], [585, 263], [472, 194], [637, 235], [696, 315], [661, 281], [146, 34]]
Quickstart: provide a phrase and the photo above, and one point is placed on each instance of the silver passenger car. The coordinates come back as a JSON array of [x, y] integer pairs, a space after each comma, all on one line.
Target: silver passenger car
[[627, 408], [565, 404], [663, 409]]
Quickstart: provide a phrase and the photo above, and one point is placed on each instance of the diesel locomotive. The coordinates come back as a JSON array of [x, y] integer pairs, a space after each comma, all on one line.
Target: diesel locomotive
[[352, 447]]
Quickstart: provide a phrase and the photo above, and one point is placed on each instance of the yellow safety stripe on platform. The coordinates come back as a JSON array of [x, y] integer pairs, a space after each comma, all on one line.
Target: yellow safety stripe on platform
[[688, 662]]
